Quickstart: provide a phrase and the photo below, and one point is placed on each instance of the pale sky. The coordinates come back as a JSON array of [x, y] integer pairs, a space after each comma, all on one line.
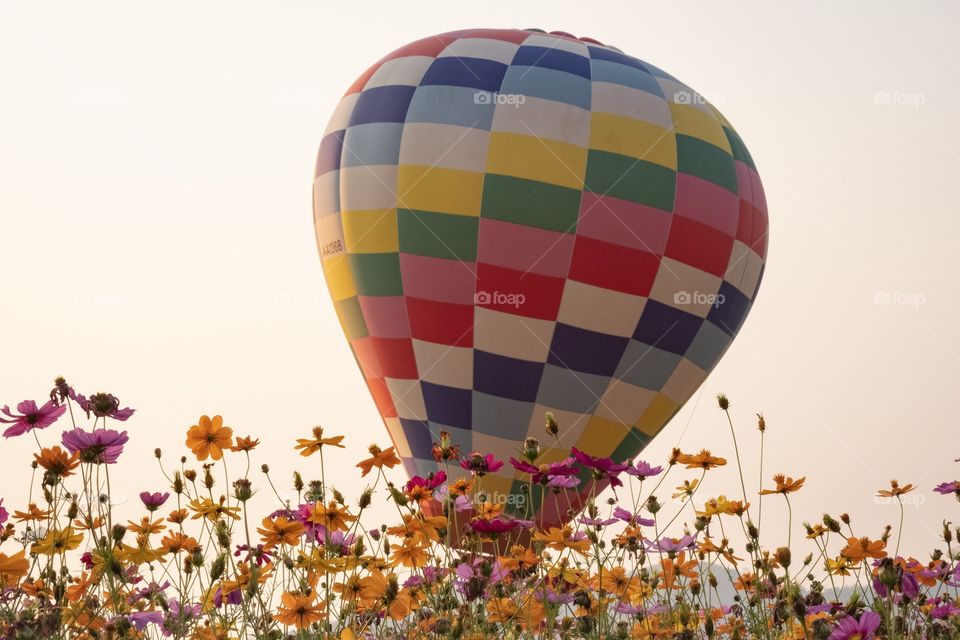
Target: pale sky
[[155, 199]]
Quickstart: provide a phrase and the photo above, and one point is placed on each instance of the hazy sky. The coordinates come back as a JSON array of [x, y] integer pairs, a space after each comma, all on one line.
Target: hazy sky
[[155, 184]]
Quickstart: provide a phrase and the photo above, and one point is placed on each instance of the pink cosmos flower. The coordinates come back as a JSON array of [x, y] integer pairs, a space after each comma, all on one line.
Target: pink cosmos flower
[[100, 446], [480, 464], [30, 417], [102, 405], [849, 627]]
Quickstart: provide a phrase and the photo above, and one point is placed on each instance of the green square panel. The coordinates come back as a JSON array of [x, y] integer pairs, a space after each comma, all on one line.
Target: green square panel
[[440, 235], [698, 158], [631, 179], [351, 317], [377, 274], [530, 203], [739, 149], [631, 445]]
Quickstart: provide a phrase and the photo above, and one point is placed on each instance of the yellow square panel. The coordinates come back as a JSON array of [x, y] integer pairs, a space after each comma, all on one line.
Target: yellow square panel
[[661, 409], [634, 138], [439, 189], [601, 437], [339, 277], [691, 121], [560, 163], [372, 231]]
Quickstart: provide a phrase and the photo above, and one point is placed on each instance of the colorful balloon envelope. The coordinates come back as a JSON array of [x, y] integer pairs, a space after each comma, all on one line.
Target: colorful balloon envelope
[[514, 222]]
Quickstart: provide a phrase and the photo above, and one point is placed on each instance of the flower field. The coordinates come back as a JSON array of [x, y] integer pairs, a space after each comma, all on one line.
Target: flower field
[[193, 562]]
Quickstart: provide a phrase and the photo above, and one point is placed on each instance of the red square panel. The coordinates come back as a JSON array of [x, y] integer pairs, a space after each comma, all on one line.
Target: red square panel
[[396, 357], [613, 266], [441, 322], [699, 245], [531, 295], [381, 397]]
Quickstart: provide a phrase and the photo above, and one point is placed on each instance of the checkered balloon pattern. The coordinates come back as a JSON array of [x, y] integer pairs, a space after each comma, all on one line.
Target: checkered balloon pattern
[[514, 222]]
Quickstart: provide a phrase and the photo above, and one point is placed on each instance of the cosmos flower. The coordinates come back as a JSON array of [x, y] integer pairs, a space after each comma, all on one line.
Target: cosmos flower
[[603, 468], [672, 545], [309, 446], [379, 459], [554, 472], [849, 628], [493, 526], [209, 438], [703, 460], [642, 470], [102, 405], [946, 488], [30, 417], [100, 446], [785, 485], [480, 464], [634, 518], [153, 501]]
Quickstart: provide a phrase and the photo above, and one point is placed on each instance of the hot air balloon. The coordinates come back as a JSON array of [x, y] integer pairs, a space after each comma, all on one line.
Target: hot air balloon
[[513, 222]]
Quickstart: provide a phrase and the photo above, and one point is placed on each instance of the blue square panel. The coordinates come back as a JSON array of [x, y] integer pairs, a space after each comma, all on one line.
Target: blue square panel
[[447, 405], [667, 328], [382, 104], [730, 310], [419, 439], [506, 377], [587, 351]]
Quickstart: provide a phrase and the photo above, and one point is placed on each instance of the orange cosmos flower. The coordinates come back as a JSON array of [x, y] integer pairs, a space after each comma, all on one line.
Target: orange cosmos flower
[[895, 490], [563, 538], [298, 610], [333, 516], [280, 530], [178, 516], [309, 446], [246, 443], [32, 513], [176, 542], [703, 460], [57, 462], [209, 438], [409, 554], [145, 527], [859, 549], [13, 567], [461, 486], [379, 459], [785, 485]]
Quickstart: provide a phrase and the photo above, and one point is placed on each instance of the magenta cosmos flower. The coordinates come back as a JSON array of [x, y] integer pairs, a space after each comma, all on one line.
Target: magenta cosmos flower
[[153, 501], [480, 464], [102, 405], [601, 467], [849, 627], [946, 488], [493, 526], [101, 446], [642, 470], [30, 417], [560, 474]]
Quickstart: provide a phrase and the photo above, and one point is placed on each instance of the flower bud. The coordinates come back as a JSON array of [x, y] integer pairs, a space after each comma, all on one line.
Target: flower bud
[[118, 532], [531, 449], [242, 490], [722, 401], [947, 533], [177, 483], [761, 423], [845, 518], [338, 496], [190, 475], [366, 498], [223, 534], [207, 477], [830, 523], [265, 468], [652, 505], [217, 567], [297, 481], [553, 427], [752, 530], [784, 556], [157, 453]]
